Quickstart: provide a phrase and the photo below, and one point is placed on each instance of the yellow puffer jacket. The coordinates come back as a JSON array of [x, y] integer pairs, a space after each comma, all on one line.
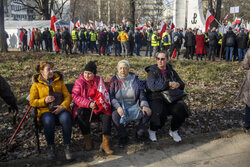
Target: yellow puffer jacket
[[40, 90], [123, 37]]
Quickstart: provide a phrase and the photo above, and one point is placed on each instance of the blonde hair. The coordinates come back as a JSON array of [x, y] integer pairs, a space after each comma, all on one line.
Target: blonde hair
[[41, 65], [199, 32]]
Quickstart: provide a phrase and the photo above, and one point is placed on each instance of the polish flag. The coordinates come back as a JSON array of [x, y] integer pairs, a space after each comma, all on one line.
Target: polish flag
[[174, 54], [102, 99], [172, 26], [209, 19], [31, 42], [53, 20], [162, 28], [77, 24], [20, 34], [91, 22], [237, 20], [140, 28], [227, 16]]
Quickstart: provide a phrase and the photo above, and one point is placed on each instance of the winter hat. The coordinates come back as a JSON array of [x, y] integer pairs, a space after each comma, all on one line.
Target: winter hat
[[91, 66], [123, 61]]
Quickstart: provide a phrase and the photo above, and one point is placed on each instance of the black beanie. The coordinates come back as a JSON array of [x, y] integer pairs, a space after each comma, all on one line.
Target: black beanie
[[91, 66]]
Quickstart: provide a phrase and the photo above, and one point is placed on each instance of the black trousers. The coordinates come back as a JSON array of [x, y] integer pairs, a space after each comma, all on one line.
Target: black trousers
[[160, 111], [83, 115], [190, 51]]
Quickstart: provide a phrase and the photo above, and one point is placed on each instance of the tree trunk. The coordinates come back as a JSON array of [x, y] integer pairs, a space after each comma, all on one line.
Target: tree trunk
[[46, 12], [132, 10], [3, 44], [218, 10], [109, 11], [210, 6], [99, 9]]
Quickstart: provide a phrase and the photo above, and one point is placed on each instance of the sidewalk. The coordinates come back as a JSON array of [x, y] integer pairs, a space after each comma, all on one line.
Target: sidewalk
[[230, 149]]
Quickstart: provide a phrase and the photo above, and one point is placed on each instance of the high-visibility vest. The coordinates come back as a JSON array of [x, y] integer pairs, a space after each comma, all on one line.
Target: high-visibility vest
[[52, 33], [155, 42], [73, 34], [148, 36], [79, 35], [92, 36], [169, 39], [220, 41], [206, 37]]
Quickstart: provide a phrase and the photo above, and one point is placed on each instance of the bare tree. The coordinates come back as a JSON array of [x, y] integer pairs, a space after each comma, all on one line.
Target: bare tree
[[3, 45]]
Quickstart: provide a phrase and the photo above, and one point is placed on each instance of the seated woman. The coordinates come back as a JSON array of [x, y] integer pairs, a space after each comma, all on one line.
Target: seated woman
[[40, 98], [162, 76], [129, 102], [84, 94]]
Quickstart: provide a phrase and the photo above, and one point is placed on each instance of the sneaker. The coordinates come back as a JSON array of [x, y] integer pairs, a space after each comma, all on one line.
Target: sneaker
[[68, 153], [152, 135], [175, 135], [51, 152]]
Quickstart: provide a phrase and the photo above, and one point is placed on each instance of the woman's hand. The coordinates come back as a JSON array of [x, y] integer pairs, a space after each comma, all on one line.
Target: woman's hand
[[93, 105], [120, 111], [58, 109], [146, 110], [174, 85], [49, 99]]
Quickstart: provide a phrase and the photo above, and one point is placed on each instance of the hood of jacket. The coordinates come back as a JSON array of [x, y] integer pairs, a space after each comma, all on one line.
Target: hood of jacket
[[57, 76]]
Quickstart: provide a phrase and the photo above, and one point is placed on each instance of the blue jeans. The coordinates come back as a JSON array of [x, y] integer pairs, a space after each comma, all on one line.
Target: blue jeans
[[149, 48], [241, 53], [247, 116], [48, 120], [137, 47], [84, 47], [117, 49], [109, 51], [231, 50]]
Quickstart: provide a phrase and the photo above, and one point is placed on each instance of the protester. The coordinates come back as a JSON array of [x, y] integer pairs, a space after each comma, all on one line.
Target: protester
[[229, 42], [200, 50]]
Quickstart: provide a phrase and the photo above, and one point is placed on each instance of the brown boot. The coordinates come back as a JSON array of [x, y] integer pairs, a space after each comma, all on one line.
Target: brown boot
[[105, 144], [88, 142]]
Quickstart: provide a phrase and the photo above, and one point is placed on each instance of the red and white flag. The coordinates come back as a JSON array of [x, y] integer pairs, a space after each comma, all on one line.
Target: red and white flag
[[209, 19], [77, 24], [172, 25], [31, 42], [237, 20], [102, 99], [52, 21], [91, 22], [20, 34], [162, 28], [227, 16]]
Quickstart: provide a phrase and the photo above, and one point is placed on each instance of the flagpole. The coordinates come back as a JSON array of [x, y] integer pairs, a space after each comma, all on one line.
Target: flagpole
[[217, 21]]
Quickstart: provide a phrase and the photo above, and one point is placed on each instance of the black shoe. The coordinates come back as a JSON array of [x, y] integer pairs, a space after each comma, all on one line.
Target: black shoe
[[141, 138], [51, 152], [123, 141]]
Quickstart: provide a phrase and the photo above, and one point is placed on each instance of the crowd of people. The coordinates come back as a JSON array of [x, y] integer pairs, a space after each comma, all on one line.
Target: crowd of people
[[127, 41]]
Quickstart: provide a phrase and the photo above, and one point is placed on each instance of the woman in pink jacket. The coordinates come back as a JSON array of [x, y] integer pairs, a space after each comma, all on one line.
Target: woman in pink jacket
[[84, 94]]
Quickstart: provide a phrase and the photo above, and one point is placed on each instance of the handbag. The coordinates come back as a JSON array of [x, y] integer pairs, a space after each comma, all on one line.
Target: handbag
[[58, 99], [172, 95]]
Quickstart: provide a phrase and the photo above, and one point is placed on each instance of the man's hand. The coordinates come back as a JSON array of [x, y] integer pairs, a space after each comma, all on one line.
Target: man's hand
[[58, 109], [120, 111], [146, 110], [49, 99]]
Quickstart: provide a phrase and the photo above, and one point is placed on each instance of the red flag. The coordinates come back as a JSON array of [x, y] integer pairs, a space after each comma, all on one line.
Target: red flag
[[102, 99], [53, 20], [163, 28], [31, 43], [20, 35], [174, 54], [172, 26], [56, 46], [237, 20], [77, 24], [209, 19], [227, 16], [91, 22]]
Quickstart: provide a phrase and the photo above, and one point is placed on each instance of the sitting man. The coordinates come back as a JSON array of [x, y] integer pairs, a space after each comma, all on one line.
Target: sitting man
[[162, 77]]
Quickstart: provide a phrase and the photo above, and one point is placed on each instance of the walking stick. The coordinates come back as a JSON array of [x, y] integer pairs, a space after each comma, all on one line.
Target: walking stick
[[13, 136]]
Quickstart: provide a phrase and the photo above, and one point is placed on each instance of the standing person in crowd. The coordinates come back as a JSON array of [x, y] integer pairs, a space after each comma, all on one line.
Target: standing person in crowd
[[155, 42], [131, 41], [117, 43], [43, 83], [110, 42], [84, 38], [66, 38], [244, 93], [213, 40], [84, 94], [24, 42], [219, 46], [189, 43], [162, 77], [102, 42], [138, 41], [166, 41], [58, 37], [46, 37], [242, 40], [51, 41], [129, 103], [229, 41], [75, 38], [149, 47], [123, 38], [200, 50], [93, 39], [36, 41], [176, 41]]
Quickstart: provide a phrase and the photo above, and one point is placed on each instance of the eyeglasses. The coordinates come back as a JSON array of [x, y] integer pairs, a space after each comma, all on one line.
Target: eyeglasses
[[158, 59]]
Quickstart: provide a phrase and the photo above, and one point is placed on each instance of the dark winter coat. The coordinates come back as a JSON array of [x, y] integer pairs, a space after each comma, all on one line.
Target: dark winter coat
[[213, 38], [189, 39], [116, 34], [138, 38], [230, 39], [156, 83], [110, 38], [242, 40]]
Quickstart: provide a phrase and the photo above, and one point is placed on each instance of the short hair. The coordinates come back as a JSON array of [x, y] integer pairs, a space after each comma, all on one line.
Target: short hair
[[41, 65], [163, 52], [125, 62]]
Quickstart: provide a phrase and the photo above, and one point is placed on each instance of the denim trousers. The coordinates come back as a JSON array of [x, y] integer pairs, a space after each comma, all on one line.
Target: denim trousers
[[229, 50], [241, 53], [247, 116], [138, 47], [49, 121]]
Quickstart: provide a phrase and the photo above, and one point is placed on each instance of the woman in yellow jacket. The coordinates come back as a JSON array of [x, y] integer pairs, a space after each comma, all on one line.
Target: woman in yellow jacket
[[40, 98], [123, 38]]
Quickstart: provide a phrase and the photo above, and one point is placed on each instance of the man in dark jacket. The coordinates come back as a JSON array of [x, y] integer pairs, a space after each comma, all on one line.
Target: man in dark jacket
[[242, 40], [58, 39], [213, 40], [66, 38], [149, 47], [102, 41], [117, 44], [189, 43], [138, 41], [110, 42], [229, 42]]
